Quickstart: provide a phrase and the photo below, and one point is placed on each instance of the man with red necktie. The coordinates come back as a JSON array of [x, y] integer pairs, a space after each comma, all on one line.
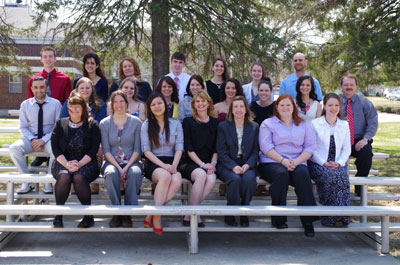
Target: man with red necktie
[[363, 122], [181, 79], [59, 84]]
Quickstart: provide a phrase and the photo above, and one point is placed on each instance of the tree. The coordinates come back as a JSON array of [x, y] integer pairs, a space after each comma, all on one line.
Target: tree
[[363, 38], [202, 29]]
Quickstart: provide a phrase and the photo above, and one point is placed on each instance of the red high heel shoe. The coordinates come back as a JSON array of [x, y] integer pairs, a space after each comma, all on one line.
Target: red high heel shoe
[[158, 231], [148, 224]]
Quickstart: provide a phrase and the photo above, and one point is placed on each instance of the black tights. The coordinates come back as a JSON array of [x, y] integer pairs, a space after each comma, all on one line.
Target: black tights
[[81, 186]]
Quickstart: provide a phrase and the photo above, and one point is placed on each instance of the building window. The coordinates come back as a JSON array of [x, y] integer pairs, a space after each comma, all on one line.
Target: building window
[[15, 84]]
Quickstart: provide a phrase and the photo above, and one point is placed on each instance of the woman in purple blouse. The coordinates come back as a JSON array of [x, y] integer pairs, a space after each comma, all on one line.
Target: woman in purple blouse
[[286, 143]]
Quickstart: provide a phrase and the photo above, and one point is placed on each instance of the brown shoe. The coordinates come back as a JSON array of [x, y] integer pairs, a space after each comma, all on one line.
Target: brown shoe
[[115, 221], [222, 189], [126, 221], [94, 188]]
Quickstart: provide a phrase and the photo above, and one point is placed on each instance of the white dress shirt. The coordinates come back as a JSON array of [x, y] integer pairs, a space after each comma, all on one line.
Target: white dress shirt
[[29, 113], [342, 141], [183, 82]]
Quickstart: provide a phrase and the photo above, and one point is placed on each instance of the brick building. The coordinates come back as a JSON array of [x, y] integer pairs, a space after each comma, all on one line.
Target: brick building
[[14, 84]]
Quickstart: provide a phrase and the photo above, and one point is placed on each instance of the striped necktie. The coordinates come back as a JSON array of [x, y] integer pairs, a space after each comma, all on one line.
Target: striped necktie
[[350, 120]]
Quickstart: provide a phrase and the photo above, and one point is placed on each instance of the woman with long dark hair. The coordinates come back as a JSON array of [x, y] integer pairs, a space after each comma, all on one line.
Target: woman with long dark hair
[[162, 145], [229, 89], [167, 88], [306, 99], [220, 75], [91, 69], [195, 84]]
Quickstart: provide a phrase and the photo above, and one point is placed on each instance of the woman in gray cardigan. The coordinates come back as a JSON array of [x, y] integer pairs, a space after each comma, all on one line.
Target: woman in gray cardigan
[[120, 139]]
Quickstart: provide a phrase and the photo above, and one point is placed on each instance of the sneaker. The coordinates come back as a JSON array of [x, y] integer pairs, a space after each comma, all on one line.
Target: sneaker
[[48, 188], [25, 188]]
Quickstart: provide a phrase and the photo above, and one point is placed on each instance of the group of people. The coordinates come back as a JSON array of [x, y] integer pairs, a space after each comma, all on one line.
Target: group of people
[[197, 130]]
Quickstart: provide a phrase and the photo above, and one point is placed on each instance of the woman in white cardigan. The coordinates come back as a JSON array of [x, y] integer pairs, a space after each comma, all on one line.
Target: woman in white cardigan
[[328, 164]]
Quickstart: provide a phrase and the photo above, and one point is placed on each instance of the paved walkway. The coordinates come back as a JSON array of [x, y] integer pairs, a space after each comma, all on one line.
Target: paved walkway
[[388, 117], [171, 248]]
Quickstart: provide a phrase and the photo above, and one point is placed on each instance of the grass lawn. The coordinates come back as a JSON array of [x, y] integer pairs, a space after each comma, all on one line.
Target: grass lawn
[[382, 101]]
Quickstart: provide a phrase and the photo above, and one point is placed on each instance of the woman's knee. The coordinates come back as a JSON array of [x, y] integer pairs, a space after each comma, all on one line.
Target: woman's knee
[[211, 178], [161, 176], [199, 176], [134, 171]]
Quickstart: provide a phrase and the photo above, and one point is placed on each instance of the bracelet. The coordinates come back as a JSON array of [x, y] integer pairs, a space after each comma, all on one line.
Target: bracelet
[[214, 162], [282, 160], [202, 165]]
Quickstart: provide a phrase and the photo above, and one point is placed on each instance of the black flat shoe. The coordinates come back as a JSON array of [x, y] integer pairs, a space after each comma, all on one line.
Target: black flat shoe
[[244, 221], [58, 222], [309, 230], [185, 223], [230, 220], [86, 222], [278, 225]]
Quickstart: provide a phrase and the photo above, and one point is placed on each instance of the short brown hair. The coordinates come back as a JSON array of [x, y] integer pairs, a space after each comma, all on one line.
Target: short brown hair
[[348, 76], [40, 78], [203, 94], [136, 67], [248, 117], [47, 48], [77, 99], [295, 115]]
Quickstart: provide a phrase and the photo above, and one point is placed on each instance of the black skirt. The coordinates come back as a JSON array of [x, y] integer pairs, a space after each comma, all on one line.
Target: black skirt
[[149, 166]]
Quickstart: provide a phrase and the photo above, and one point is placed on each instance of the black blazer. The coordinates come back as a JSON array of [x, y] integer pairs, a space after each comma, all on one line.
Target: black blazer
[[60, 135], [227, 144]]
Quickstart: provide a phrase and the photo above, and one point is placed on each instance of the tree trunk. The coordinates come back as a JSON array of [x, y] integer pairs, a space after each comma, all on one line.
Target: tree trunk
[[159, 39]]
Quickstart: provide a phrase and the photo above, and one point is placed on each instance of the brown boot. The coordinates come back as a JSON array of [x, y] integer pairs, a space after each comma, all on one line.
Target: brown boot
[[126, 221], [115, 221], [222, 189], [94, 188]]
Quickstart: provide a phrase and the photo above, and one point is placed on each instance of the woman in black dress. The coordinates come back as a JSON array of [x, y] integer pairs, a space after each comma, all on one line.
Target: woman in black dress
[[74, 142], [263, 108], [200, 134], [220, 75]]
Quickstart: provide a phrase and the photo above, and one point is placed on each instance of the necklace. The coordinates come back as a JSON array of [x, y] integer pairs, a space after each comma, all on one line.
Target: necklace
[[74, 124], [205, 120], [332, 124]]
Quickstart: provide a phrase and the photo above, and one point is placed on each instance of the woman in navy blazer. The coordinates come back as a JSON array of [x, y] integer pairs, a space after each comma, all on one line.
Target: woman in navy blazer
[[237, 148]]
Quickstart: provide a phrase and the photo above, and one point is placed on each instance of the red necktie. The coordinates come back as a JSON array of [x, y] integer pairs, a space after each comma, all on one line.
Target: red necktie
[[177, 83], [350, 120]]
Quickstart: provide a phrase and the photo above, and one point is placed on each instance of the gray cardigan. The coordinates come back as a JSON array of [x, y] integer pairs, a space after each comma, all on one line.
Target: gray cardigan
[[130, 138]]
